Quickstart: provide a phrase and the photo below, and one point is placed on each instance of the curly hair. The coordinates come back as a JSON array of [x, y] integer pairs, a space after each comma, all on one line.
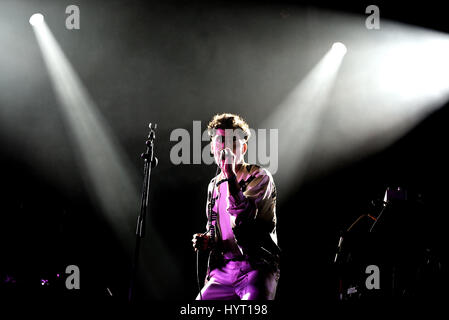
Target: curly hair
[[228, 121]]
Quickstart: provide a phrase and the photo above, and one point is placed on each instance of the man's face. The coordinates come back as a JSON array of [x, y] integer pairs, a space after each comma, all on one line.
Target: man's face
[[231, 139]]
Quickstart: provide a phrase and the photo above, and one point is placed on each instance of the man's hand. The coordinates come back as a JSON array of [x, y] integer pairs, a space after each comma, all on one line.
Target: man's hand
[[227, 163], [200, 241]]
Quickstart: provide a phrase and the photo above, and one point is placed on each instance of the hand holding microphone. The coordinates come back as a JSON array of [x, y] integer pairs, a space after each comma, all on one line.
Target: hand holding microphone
[[200, 241], [227, 162]]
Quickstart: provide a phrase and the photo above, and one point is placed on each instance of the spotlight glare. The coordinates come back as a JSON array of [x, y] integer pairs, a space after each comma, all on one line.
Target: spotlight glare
[[339, 47], [36, 19]]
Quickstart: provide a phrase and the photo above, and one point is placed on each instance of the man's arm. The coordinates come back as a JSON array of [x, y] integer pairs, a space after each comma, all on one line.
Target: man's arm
[[201, 240], [257, 204]]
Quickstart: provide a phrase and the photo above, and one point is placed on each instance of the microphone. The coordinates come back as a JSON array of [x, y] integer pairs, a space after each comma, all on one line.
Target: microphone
[[223, 154]]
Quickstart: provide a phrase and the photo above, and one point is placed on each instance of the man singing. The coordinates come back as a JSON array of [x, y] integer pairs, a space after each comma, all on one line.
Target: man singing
[[241, 236]]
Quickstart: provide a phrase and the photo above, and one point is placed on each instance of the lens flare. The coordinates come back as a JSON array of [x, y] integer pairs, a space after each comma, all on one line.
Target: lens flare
[[36, 19], [339, 48]]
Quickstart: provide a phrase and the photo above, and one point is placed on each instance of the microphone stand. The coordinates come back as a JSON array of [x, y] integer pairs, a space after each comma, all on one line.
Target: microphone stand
[[150, 161]]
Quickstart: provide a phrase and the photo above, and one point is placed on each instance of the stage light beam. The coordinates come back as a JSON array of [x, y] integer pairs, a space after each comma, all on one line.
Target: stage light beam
[[300, 116], [104, 166], [388, 84]]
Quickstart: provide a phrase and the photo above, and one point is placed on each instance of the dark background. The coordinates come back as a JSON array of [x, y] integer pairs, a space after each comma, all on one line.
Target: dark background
[[135, 58]]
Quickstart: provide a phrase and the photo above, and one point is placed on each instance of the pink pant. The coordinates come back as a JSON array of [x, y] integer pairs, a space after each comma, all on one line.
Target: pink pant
[[237, 280]]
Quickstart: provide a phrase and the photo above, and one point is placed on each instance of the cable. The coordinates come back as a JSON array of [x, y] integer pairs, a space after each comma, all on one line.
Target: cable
[[198, 274], [385, 204]]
